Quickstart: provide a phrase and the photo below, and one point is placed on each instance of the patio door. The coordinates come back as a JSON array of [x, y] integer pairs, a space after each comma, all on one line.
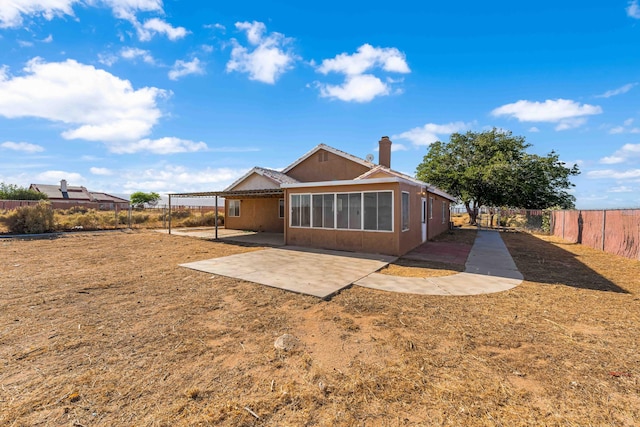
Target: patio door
[[424, 219]]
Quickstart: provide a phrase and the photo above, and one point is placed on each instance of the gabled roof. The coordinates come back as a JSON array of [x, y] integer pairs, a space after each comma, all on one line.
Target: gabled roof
[[274, 175], [384, 169], [330, 150]]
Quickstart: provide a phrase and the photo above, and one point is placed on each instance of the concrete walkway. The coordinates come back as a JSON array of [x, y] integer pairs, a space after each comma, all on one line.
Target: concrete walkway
[[489, 268]]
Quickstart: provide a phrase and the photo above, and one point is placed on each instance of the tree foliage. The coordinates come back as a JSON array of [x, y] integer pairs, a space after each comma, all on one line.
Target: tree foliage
[[13, 192], [139, 199], [492, 168]]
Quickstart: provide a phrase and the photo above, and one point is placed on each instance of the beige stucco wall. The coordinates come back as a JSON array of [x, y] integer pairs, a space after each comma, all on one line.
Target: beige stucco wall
[[436, 225], [411, 238], [256, 214], [335, 168]]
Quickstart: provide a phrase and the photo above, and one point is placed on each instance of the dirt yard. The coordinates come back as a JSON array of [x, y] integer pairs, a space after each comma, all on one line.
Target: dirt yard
[[107, 330]]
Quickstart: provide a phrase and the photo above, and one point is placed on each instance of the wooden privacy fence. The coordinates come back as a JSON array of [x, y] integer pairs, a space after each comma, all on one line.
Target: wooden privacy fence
[[613, 231]]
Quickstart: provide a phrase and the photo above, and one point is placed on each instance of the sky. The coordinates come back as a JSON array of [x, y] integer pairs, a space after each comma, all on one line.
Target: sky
[[181, 96]]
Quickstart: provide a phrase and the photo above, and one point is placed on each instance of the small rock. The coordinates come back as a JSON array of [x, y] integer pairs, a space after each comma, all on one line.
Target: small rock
[[286, 342]]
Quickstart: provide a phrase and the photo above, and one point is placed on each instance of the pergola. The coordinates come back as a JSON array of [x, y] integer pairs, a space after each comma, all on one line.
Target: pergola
[[272, 192]]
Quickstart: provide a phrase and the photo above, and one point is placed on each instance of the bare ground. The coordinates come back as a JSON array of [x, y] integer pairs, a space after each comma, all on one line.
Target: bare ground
[[107, 329]]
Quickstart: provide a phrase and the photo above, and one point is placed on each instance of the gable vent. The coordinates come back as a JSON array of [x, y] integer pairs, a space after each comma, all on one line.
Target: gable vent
[[323, 156]]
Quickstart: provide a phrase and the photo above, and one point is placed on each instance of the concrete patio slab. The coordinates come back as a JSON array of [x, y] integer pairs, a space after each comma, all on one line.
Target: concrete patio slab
[[320, 273], [488, 269]]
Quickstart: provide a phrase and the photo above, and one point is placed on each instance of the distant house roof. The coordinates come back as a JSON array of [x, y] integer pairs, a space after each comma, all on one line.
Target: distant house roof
[[331, 150], [75, 193], [107, 198]]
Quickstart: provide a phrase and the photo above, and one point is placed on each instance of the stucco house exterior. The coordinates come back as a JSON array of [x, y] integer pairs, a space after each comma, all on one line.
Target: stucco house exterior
[[333, 200]]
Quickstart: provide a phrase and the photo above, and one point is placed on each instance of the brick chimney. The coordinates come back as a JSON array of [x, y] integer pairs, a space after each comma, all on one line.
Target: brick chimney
[[63, 185], [384, 152]]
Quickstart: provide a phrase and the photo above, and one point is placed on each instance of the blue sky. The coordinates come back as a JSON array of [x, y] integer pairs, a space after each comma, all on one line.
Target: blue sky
[[178, 96]]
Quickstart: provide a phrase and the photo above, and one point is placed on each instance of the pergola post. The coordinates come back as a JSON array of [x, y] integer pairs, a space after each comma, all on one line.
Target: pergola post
[[216, 217], [169, 213]]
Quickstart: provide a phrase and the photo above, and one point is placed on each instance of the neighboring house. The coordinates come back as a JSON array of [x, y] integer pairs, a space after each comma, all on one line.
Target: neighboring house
[[334, 200], [64, 196]]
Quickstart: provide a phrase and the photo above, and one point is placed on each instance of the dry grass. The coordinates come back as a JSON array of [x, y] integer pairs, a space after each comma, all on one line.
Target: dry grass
[[91, 219], [107, 330]]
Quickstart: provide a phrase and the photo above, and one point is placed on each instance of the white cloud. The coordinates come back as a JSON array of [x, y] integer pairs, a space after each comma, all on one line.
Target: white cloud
[[107, 59], [23, 43], [134, 52], [183, 68], [366, 58], [73, 178], [22, 146], [626, 153], [358, 86], [180, 179], [125, 9], [429, 133], [92, 103], [613, 174], [534, 129], [619, 91], [633, 10], [47, 39], [101, 171], [617, 129], [268, 60], [567, 113], [548, 111], [571, 123], [166, 145], [12, 11], [216, 26], [398, 147], [625, 129], [154, 26], [620, 189]]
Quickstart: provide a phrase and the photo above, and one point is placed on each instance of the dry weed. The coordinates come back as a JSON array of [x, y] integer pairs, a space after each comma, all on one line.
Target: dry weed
[[142, 341]]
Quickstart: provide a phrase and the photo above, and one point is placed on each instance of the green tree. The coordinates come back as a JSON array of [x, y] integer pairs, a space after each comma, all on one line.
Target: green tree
[[492, 168], [13, 192], [139, 199]]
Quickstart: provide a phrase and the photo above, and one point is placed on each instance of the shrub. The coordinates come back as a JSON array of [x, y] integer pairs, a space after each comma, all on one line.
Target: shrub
[[32, 219], [206, 220], [139, 218]]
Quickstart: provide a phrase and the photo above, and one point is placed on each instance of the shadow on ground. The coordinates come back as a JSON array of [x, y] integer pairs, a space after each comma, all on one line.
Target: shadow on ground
[[544, 262]]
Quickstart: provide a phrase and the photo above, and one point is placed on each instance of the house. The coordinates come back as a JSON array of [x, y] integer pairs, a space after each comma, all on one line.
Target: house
[[64, 196], [333, 200]]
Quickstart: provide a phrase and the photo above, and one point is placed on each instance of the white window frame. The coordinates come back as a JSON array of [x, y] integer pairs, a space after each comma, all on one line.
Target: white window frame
[[335, 211], [430, 207], [408, 211], [444, 210], [234, 204]]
